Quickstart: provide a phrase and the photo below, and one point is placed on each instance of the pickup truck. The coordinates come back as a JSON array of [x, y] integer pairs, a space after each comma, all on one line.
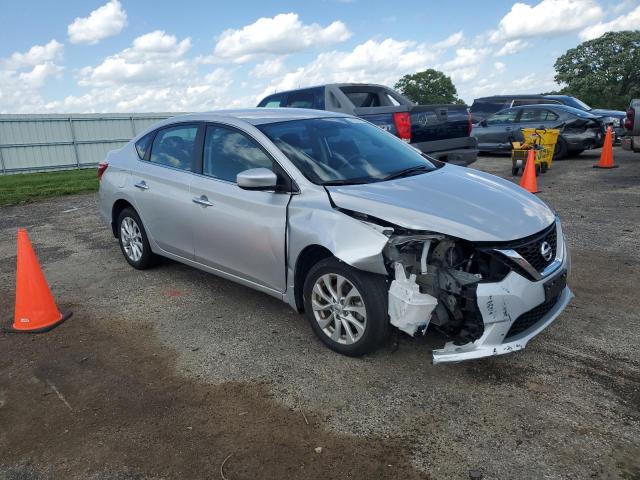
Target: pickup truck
[[441, 131], [632, 126]]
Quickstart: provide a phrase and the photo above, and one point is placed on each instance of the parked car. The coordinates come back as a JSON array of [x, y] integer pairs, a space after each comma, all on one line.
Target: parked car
[[442, 131], [579, 130], [632, 127], [484, 107], [345, 222]]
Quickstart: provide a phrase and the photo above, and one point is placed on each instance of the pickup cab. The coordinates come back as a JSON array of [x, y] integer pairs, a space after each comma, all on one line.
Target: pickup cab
[[441, 131]]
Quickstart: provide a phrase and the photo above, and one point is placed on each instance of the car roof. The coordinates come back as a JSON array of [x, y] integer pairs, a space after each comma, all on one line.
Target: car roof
[[505, 97], [257, 116], [338, 85], [552, 106]]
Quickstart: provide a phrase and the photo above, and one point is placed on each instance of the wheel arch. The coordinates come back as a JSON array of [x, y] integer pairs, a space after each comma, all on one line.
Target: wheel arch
[[118, 206], [308, 257]]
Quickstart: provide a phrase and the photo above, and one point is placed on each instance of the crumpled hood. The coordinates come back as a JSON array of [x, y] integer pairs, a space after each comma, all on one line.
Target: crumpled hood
[[456, 201]]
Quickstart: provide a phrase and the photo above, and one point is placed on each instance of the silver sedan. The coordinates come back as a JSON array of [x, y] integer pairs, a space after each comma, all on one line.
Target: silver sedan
[[345, 222]]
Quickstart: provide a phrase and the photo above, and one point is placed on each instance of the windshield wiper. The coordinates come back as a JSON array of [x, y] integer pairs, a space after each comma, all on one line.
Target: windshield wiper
[[409, 171], [346, 181]]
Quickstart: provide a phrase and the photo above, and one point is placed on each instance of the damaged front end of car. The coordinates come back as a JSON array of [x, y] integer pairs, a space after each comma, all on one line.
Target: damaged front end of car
[[486, 298]]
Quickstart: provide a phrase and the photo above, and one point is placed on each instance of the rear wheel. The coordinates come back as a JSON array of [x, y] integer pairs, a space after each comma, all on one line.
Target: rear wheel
[[561, 149], [133, 240], [347, 308]]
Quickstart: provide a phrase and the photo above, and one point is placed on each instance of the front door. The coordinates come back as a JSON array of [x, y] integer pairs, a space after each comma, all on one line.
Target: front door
[[238, 231], [498, 132], [161, 186]]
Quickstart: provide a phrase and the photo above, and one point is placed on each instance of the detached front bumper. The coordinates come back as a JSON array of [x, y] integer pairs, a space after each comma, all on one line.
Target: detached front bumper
[[515, 310]]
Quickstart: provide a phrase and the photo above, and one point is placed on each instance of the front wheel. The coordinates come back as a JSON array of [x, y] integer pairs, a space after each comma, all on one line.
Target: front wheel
[[347, 308], [561, 149], [133, 240]]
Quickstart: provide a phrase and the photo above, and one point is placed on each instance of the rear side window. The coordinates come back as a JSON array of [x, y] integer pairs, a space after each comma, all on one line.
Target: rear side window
[[228, 152], [303, 99], [142, 145], [500, 118], [175, 147], [272, 101], [363, 99]]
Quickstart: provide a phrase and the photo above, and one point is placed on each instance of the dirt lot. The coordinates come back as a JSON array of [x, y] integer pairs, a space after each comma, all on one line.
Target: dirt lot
[[166, 373]]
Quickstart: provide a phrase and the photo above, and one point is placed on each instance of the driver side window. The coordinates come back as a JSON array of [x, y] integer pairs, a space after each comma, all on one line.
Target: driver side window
[[501, 118], [228, 152]]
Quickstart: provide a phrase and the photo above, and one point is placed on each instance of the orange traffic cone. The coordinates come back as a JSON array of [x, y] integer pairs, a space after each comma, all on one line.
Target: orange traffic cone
[[606, 157], [528, 180], [36, 310]]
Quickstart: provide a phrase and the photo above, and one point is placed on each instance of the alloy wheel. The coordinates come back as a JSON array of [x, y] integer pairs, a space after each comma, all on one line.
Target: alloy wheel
[[339, 309], [131, 238]]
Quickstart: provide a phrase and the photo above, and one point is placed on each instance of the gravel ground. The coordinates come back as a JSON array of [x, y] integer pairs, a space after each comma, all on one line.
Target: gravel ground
[[565, 407]]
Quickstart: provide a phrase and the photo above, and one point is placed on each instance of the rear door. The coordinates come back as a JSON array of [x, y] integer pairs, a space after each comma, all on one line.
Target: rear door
[[497, 131], [161, 183], [239, 232]]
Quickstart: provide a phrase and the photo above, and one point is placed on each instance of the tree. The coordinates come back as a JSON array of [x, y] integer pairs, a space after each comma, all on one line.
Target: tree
[[428, 87], [604, 72]]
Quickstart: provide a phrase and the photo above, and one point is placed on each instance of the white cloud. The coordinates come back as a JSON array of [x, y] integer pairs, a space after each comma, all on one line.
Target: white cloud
[[154, 58], [511, 47], [465, 66], [499, 67], [372, 61], [280, 35], [104, 22], [269, 68], [24, 73], [452, 40], [35, 55], [628, 21], [39, 74], [546, 18]]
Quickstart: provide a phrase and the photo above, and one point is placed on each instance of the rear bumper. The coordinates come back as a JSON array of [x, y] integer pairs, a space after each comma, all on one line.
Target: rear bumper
[[458, 151]]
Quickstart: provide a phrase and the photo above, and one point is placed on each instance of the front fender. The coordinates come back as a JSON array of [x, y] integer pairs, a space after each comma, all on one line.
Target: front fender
[[313, 221]]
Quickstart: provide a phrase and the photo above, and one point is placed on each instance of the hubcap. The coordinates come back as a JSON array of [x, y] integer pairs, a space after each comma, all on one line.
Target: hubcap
[[131, 239], [339, 309]]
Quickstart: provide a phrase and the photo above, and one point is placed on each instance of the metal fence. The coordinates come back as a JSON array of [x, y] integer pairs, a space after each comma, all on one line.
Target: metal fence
[[57, 142]]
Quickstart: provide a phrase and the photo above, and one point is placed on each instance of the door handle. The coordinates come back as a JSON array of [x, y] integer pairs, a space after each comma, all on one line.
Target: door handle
[[142, 185], [202, 200]]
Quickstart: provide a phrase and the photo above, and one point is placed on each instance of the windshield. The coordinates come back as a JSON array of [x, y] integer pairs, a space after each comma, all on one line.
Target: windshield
[[345, 151], [575, 103]]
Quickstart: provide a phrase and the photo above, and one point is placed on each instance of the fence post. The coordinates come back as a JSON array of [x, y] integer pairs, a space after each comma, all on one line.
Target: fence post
[[4, 170], [73, 141], [133, 127]]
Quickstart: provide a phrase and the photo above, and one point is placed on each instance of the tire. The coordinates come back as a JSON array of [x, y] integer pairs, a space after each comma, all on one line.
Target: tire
[[544, 167], [514, 171], [370, 298], [561, 149], [132, 238]]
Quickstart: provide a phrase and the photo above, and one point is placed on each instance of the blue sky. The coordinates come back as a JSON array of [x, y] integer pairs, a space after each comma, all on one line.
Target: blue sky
[[126, 55]]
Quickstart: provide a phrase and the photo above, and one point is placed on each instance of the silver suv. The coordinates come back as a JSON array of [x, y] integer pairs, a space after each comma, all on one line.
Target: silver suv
[[345, 222]]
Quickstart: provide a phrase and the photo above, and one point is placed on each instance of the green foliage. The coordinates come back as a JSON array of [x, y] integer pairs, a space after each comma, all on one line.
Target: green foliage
[[604, 72], [428, 87], [25, 187]]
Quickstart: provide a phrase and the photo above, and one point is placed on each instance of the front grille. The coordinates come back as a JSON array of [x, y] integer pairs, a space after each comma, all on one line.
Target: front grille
[[530, 250], [530, 318]]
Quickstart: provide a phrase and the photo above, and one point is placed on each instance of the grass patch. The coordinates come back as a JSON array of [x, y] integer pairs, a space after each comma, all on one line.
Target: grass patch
[[26, 187]]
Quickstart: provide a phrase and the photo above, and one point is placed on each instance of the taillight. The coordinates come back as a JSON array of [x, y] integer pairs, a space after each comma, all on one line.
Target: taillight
[[402, 121], [102, 167], [469, 123], [628, 122]]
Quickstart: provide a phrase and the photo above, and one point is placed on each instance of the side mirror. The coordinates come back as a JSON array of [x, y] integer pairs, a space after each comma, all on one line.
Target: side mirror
[[483, 123], [257, 179]]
